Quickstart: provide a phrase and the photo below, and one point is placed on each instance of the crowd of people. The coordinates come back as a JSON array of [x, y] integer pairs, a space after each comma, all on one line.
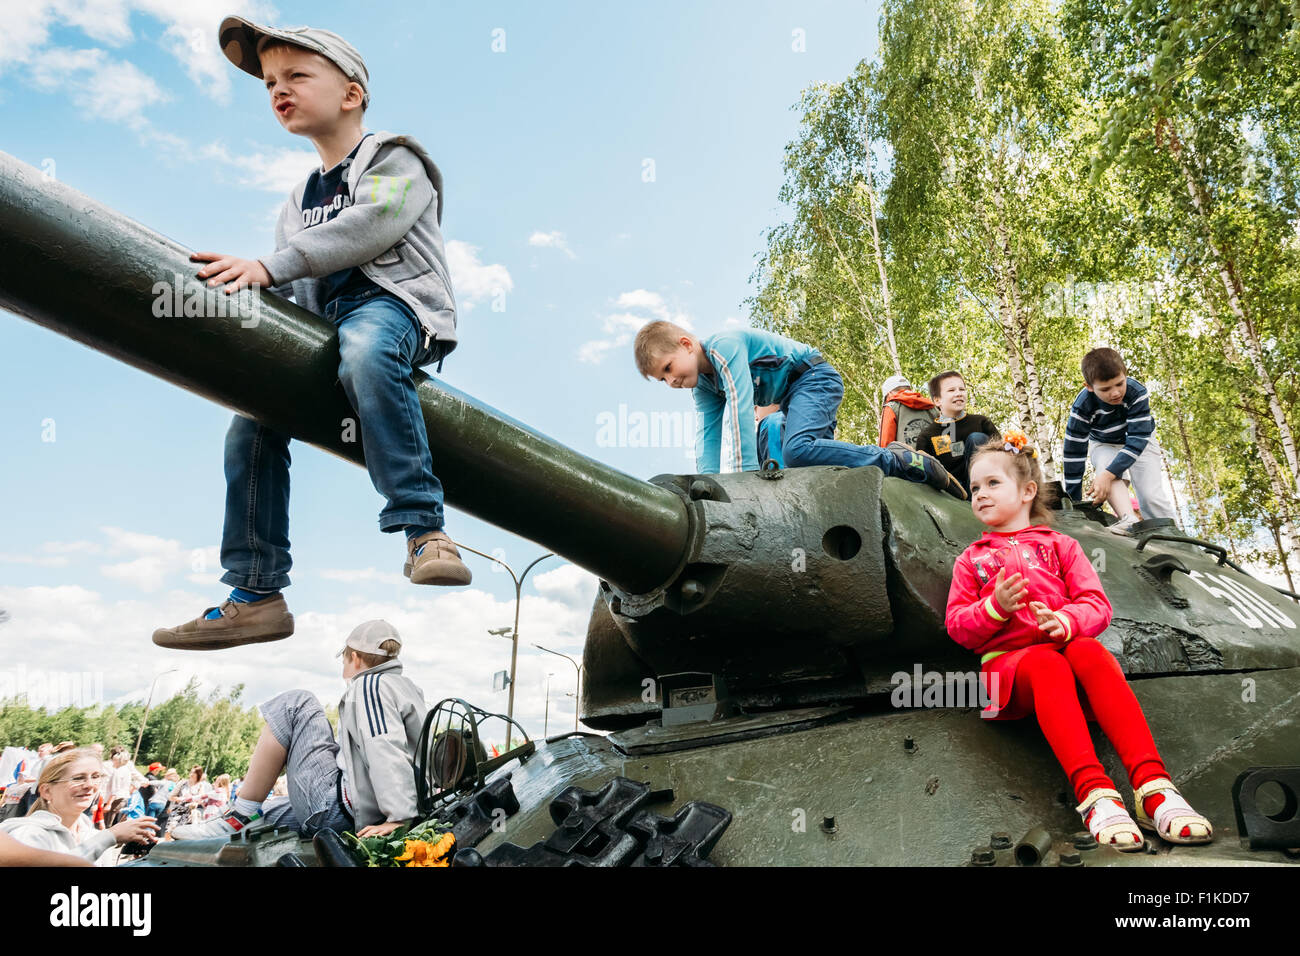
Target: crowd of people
[[70, 799]]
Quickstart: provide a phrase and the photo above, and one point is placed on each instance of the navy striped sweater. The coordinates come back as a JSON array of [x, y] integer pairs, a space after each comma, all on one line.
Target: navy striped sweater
[[1129, 424]]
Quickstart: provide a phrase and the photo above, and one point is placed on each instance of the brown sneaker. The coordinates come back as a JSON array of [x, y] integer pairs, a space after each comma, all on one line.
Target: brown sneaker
[[253, 623], [439, 564]]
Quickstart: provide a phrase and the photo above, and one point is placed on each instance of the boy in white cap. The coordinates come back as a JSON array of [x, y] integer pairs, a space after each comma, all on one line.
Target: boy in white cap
[[358, 242], [363, 781], [905, 412]]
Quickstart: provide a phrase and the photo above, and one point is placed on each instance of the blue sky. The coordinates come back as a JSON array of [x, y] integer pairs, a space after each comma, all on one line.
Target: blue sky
[[110, 529]]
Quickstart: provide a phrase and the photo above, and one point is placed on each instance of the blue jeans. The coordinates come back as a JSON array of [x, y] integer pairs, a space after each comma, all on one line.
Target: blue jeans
[[380, 345], [810, 407]]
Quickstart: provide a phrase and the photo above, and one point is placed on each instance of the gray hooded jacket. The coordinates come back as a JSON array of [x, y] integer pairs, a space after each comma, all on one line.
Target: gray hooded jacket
[[391, 232], [380, 719]]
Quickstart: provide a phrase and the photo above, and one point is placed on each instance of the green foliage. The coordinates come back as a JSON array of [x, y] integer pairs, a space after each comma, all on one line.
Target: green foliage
[[217, 733], [1049, 177]]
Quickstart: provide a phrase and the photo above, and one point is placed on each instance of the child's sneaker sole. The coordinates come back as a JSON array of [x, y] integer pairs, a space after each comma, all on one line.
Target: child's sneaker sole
[[439, 565], [254, 623]]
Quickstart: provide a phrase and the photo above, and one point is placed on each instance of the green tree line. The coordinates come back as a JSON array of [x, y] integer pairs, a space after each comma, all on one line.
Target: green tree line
[[1011, 183], [216, 732]]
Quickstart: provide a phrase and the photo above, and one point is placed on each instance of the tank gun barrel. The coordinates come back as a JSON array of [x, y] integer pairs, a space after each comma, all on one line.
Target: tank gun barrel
[[91, 274]]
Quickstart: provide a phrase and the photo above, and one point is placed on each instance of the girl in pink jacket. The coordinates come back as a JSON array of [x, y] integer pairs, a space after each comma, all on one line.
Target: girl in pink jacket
[[1027, 600]]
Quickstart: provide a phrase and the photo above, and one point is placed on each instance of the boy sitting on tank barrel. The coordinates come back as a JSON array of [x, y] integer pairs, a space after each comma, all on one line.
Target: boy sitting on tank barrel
[[358, 242]]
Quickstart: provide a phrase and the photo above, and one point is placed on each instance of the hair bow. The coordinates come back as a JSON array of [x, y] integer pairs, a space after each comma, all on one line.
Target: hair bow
[[1016, 441]]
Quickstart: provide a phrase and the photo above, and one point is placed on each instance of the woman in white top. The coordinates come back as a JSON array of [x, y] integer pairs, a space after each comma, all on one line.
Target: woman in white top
[[191, 795], [68, 784]]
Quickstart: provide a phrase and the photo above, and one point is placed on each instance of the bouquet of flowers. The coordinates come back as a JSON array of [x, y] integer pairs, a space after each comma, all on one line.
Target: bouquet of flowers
[[429, 843]]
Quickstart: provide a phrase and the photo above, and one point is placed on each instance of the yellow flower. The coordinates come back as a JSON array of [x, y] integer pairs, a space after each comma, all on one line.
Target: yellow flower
[[424, 853], [443, 847], [412, 848]]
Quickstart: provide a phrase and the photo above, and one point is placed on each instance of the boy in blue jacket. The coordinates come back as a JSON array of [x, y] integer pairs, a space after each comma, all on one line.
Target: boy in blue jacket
[[747, 367], [359, 243]]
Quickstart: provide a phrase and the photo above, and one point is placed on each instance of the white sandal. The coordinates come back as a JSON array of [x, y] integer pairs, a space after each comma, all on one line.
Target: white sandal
[[1106, 819], [1173, 814]]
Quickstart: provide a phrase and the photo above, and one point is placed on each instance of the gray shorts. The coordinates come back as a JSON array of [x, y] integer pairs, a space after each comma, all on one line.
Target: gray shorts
[[298, 722]]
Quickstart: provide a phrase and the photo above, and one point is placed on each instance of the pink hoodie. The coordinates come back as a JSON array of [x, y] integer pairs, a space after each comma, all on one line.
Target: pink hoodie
[[1057, 573]]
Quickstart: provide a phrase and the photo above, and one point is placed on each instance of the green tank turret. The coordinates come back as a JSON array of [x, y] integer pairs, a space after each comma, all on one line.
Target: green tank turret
[[763, 647]]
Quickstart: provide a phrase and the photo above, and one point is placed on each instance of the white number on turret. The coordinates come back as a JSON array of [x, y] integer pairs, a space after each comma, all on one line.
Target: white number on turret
[[1247, 606]]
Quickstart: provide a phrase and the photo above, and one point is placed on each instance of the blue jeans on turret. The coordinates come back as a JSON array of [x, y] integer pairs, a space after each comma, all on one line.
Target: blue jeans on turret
[[810, 408], [380, 344]]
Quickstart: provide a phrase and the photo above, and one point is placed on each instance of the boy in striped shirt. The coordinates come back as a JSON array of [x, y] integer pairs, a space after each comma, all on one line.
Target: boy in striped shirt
[[742, 368], [1113, 413]]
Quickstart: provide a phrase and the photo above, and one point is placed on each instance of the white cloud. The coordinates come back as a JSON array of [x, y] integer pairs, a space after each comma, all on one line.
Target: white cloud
[[27, 24], [643, 299], [568, 584], [105, 84], [100, 86], [446, 649], [551, 240], [152, 560], [191, 38], [623, 321], [55, 554], [594, 352], [189, 31], [24, 31], [275, 170], [735, 322], [475, 281], [621, 327]]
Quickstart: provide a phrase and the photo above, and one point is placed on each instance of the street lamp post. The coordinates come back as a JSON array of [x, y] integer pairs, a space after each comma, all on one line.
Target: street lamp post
[[546, 714], [145, 715], [577, 690], [514, 637]]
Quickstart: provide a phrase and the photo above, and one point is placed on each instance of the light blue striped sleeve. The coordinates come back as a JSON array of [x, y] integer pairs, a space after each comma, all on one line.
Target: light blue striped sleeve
[[708, 431], [730, 359]]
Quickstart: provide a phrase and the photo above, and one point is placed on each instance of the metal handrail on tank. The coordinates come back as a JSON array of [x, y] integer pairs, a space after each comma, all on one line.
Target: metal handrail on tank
[[1213, 548]]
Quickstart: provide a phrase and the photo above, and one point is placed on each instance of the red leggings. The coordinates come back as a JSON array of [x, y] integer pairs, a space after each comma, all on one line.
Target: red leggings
[[1045, 682]]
